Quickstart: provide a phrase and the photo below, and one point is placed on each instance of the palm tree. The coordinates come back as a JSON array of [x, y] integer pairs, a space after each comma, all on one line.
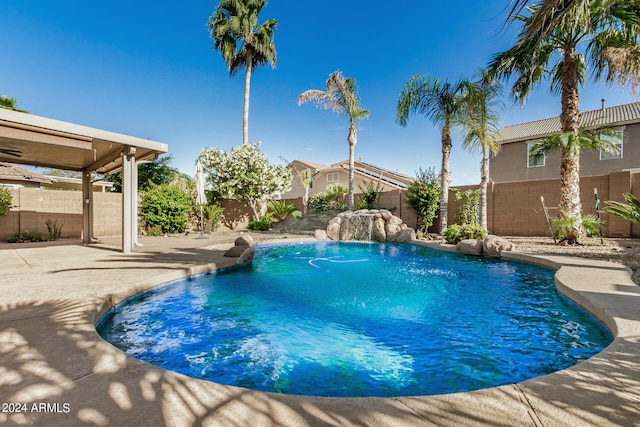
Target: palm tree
[[10, 104], [243, 43], [570, 145], [480, 123], [341, 96], [557, 51], [440, 102]]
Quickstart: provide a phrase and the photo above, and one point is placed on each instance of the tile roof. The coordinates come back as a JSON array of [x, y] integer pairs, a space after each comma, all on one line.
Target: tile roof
[[611, 116], [12, 172]]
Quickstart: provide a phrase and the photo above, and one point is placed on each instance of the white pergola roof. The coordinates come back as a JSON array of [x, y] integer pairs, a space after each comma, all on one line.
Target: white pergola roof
[[39, 141]]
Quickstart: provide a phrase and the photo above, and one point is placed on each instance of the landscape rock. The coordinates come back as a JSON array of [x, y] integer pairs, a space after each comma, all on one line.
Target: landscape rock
[[235, 251], [246, 256], [378, 225], [493, 246], [378, 234], [470, 247], [320, 235], [406, 235], [244, 240]]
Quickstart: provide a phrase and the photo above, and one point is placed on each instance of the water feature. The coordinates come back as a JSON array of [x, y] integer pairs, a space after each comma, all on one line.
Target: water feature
[[355, 319]]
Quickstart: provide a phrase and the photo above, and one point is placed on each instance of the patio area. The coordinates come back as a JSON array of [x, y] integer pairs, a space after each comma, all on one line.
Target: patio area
[[53, 293]]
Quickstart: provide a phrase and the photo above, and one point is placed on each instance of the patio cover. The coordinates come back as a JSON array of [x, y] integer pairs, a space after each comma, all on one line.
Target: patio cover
[[39, 141]]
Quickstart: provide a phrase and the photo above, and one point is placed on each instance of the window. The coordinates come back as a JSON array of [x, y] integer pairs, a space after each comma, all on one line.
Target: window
[[533, 162], [333, 177], [617, 141]]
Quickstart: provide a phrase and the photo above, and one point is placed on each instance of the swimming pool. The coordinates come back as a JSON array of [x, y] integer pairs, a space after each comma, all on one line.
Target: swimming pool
[[353, 319]]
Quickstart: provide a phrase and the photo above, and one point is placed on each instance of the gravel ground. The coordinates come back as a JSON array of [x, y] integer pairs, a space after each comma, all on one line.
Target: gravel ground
[[622, 251]]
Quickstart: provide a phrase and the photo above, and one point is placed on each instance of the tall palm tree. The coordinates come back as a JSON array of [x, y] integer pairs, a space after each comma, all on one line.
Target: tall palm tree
[[10, 104], [440, 102], [480, 122], [341, 96], [570, 145], [243, 43], [562, 52]]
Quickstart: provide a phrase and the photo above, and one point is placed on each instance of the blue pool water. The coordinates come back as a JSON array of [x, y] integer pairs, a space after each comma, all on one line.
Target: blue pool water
[[353, 319]]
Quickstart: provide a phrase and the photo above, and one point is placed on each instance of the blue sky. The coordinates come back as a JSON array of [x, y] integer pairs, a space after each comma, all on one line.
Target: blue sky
[[148, 69]]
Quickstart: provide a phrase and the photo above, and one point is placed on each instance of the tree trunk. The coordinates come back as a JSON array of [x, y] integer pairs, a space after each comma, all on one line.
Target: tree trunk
[[570, 123], [247, 90], [352, 139], [484, 181], [444, 177]]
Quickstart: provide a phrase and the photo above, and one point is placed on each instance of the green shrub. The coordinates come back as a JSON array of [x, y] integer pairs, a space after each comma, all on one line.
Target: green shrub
[[166, 207], [155, 231], [468, 207], [5, 201], [424, 197], [331, 200], [368, 199], [456, 233], [28, 236], [280, 209], [262, 224]]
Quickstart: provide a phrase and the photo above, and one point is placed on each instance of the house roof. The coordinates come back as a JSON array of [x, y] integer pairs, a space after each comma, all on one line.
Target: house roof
[[14, 173], [311, 165], [387, 176], [610, 116]]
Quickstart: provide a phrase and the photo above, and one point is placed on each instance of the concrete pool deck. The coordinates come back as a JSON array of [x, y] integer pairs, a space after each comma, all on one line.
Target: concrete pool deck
[[56, 370]]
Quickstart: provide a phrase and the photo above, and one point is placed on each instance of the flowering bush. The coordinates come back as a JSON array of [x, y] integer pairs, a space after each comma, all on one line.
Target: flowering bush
[[245, 174]]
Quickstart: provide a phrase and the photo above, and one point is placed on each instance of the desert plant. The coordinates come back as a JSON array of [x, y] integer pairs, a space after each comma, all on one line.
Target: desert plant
[[5, 201], [53, 230], [468, 206], [564, 227], [213, 214], [262, 224], [629, 211], [456, 233], [280, 209]]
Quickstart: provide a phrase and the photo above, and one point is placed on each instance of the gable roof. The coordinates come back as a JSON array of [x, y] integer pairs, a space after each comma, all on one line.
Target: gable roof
[[12, 173], [386, 176], [610, 116]]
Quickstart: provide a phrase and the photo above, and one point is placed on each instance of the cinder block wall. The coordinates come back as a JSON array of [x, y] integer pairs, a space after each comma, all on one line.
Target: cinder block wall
[[33, 207], [515, 208]]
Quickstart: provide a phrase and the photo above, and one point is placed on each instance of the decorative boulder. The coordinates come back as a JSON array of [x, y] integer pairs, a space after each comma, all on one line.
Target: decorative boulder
[[406, 235], [320, 235], [243, 248], [333, 230], [244, 240], [378, 234], [470, 247], [494, 245], [235, 251], [378, 225]]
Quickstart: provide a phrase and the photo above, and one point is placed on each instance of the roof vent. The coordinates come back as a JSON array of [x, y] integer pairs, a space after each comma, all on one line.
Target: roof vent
[[604, 102]]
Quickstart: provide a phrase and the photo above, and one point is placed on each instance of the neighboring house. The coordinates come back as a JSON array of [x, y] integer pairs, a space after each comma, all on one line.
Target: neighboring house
[[12, 175], [518, 183], [513, 163], [322, 176]]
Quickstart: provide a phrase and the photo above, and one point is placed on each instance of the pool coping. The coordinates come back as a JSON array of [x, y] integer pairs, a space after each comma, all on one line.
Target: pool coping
[[51, 354]]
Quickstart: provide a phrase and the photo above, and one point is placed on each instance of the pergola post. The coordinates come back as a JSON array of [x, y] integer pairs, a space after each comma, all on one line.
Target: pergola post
[[87, 207], [129, 199]]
